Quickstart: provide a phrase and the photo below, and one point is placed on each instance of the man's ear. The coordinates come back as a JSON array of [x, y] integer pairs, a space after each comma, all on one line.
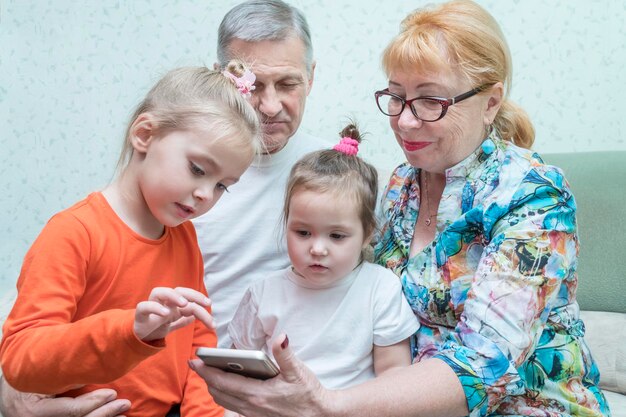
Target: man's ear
[[311, 78], [142, 132], [494, 102]]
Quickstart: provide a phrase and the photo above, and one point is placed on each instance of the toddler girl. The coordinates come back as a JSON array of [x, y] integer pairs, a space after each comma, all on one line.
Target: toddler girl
[[345, 318], [110, 289]]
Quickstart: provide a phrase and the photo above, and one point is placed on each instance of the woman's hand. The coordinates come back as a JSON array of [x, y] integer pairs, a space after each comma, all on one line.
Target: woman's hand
[[295, 392], [169, 309], [98, 403]]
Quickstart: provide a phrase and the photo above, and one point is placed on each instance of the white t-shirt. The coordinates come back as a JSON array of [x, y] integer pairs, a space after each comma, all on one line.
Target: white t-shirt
[[332, 329], [241, 236]]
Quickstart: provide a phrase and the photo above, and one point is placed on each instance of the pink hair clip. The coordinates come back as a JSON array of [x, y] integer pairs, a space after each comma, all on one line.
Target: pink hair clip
[[245, 83], [348, 146]]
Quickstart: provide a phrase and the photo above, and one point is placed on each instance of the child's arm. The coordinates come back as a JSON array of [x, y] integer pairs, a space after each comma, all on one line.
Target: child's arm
[[394, 324], [31, 358], [53, 358], [196, 398], [43, 349], [389, 357]]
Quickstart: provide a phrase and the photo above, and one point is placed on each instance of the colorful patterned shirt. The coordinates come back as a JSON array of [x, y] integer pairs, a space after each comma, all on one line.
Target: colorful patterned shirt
[[495, 291]]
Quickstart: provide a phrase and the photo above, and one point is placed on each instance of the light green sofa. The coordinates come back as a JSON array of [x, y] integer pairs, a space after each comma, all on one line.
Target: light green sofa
[[598, 181]]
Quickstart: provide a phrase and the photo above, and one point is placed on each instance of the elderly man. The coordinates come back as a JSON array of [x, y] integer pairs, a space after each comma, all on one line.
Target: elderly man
[[240, 241], [240, 238]]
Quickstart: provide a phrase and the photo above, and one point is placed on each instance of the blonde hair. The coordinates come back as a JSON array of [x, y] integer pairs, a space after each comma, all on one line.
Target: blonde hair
[[348, 176], [465, 36], [197, 97]]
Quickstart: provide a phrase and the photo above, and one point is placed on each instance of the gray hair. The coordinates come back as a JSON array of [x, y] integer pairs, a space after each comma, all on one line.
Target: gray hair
[[261, 20]]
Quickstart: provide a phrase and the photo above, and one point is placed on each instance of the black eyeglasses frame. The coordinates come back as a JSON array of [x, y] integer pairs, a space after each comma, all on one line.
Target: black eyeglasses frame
[[445, 102]]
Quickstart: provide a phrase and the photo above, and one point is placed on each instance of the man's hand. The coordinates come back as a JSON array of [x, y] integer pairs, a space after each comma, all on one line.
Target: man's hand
[[99, 403]]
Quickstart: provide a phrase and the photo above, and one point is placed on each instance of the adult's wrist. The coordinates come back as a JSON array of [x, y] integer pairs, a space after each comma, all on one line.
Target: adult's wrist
[[333, 403]]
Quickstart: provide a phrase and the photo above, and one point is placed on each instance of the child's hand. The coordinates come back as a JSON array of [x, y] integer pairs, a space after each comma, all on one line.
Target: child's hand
[[169, 309], [229, 413]]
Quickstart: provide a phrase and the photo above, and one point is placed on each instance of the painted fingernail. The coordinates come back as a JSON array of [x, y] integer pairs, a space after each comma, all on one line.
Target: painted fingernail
[[191, 364], [285, 343]]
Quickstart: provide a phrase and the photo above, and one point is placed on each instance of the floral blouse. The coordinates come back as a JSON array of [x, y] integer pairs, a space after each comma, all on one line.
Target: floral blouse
[[495, 291]]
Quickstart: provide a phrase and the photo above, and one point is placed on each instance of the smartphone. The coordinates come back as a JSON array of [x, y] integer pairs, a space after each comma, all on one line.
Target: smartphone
[[250, 363]]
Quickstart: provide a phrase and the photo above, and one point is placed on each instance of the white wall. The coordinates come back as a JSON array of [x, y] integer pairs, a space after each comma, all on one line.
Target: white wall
[[71, 71]]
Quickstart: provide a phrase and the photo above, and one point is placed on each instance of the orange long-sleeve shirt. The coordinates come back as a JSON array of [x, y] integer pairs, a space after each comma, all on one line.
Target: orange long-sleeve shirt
[[72, 323]]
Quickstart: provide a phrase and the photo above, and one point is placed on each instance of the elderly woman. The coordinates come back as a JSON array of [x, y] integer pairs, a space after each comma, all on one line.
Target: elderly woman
[[483, 237]]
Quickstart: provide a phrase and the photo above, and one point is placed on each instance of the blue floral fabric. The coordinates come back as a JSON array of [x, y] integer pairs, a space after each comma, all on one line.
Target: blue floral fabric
[[495, 290]]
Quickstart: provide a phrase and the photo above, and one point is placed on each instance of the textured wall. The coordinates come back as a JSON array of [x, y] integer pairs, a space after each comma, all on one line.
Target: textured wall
[[70, 73]]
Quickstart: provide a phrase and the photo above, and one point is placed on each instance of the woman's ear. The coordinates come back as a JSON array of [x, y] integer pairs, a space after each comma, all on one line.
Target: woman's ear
[[494, 101], [142, 132]]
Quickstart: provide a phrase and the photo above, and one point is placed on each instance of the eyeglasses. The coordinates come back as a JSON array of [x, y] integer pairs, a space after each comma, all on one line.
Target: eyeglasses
[[427, 108]]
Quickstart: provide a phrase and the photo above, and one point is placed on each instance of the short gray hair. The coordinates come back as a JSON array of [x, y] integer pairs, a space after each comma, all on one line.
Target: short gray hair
[[261, 20]]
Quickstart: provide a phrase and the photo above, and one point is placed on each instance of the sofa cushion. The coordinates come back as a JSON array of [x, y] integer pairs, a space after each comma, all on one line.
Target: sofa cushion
[[605, 334], [617, 403], [598, 181]]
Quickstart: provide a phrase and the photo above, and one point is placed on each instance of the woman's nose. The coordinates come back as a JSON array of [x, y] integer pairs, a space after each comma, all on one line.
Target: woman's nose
[[407, 120]]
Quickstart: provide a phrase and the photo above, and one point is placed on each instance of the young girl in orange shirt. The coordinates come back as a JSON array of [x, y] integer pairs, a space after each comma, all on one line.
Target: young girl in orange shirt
[[111, 293]]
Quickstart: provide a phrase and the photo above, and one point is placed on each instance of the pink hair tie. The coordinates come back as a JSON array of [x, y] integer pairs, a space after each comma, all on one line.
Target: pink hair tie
[[245, 83], [348, 146]]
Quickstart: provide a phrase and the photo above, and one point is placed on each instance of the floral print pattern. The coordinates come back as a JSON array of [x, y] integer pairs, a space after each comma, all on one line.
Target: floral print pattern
[[495, 290]]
